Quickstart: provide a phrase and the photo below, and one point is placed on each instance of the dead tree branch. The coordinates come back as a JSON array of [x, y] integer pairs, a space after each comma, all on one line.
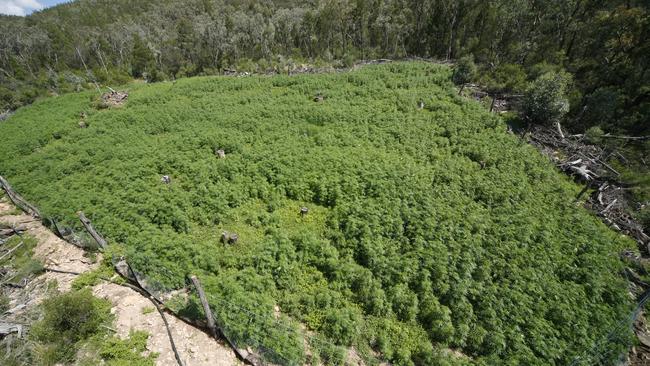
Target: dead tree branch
[[632, 138], [47, 269], [12, 250]]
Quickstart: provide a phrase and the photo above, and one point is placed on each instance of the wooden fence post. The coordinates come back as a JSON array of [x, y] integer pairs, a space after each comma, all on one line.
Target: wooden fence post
[[89, 227], [18, 200]]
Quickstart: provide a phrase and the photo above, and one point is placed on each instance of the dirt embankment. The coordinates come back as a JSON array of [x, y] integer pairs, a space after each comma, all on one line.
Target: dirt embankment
[[132, 310]]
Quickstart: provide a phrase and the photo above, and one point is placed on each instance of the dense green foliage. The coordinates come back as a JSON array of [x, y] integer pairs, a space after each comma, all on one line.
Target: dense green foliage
[[68, 319], [603, 43], [465, 70], [74, 329], [546, 99], [426, 229]]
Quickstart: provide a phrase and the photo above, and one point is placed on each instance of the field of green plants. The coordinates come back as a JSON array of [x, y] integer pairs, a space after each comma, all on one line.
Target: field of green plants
[[429, 230]]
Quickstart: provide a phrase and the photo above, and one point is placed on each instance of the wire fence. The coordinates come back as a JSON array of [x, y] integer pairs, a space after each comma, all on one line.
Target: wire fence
[[246, 339], [309, 339], [604, 350]]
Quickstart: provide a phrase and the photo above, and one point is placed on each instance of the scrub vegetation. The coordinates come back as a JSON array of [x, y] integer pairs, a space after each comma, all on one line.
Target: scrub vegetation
[[427, 229]]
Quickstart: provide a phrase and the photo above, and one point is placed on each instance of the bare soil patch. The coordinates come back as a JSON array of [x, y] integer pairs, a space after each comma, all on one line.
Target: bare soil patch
[[131, 309]]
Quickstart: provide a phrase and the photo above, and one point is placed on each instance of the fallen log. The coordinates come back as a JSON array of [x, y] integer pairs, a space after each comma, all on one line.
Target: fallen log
[[16, 309], [9, 328], [12, 231], [18, 200], [89, 227], [13, 285], [635, 278], [609, 206], [155, 303], [632, 138]]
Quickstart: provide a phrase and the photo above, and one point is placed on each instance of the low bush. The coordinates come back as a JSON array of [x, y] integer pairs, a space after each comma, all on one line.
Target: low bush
[[67, 320], [424, 226]]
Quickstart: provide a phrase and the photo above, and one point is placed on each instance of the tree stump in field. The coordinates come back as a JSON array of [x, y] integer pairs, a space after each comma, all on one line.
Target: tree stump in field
[[319, 98], [420, 104], [114, 98], [166, 179], [82, 124], [221, 154], [229, 238], [304, 211]]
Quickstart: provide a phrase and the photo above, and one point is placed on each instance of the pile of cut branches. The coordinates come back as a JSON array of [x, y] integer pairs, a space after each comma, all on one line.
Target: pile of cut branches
[[588, 164]]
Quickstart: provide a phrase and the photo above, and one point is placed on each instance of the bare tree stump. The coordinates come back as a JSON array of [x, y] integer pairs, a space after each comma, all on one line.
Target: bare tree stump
[[304, 211], [166, 179], [221, 154], [229, 238]]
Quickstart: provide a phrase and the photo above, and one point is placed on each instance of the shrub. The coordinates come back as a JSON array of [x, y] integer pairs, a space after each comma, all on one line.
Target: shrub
[[465, 70], [594, 135], [436, 319], [507, 78], [342, 325], [405, 302], [127, 352], [68, 319], [545, 100]]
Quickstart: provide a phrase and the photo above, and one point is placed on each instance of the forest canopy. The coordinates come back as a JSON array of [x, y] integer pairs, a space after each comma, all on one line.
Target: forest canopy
[[602, 43], [428, 229]]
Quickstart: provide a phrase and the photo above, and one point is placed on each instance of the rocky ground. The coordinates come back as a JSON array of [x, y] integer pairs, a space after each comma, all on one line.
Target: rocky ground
[[132, 310]]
